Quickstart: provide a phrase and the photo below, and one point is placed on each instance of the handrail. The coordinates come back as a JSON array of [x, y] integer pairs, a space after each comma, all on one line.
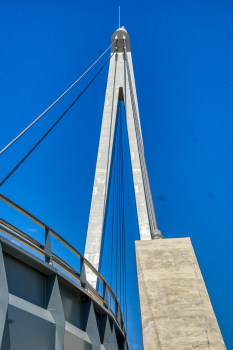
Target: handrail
[[21, 233], [17, 237], [37, 247], [22, 211], [59, 238]]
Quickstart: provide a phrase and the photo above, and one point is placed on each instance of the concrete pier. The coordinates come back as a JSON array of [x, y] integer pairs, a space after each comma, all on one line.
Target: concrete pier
[[176, 312]]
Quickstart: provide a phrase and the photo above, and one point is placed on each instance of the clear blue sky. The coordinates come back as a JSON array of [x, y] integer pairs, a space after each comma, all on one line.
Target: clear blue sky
[[183, 63]]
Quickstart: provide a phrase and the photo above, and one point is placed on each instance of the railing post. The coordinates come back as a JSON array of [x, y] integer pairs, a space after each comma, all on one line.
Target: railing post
[[47, 247], [83, 277], [118, 317], [105, 294]]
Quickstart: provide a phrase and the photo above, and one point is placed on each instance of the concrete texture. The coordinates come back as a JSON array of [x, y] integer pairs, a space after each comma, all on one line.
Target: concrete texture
[[117, 81], [176, 312]]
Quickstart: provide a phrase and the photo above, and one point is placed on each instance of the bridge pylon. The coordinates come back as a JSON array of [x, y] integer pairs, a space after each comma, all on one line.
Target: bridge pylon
[[120, 87]]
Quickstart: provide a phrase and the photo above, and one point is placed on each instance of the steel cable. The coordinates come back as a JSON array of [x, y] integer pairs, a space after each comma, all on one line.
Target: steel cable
[[120, 197], [113, 216], [117, 216], [118, 222], [145, 178], [123, 225], [122, 220], [59, 98], [43, 137], [107, 177]]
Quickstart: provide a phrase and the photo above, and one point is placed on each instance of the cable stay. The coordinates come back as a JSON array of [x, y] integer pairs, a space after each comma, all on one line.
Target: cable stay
[[53, 126], [155, 233], [118, 257], [53, 104]]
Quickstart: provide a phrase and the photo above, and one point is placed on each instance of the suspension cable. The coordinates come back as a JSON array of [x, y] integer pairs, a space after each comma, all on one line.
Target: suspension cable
[[53, 104], [108, 165], [113, 214], [43, 137], [118, 256], [118, 216], [145, 178], [121, 212], [123, 229], [120, 201]]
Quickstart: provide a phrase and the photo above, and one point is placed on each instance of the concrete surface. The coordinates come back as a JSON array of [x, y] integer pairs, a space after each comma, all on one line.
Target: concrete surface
[[176, 312], [117, 82]]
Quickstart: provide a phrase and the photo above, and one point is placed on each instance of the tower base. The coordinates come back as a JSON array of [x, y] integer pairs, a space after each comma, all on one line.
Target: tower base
[[176, 312]]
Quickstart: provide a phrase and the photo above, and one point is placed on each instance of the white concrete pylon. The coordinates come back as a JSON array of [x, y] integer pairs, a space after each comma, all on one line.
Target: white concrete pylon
[[117, 90]]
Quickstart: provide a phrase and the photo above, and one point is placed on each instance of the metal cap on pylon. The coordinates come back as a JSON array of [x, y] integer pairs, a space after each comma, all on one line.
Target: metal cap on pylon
[[120, 33]]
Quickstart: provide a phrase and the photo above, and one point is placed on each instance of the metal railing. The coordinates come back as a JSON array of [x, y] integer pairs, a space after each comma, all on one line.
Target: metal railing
[[45, 251]]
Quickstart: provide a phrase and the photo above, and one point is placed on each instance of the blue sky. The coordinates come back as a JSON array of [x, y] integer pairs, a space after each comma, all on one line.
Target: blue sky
[[182, 55]]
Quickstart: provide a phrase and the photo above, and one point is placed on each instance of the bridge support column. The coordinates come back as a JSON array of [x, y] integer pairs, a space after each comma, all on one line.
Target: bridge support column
[[176, 312], [118, 90]]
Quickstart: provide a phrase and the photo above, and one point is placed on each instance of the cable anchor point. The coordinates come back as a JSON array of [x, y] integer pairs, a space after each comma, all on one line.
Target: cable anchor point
[[157, 234]]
